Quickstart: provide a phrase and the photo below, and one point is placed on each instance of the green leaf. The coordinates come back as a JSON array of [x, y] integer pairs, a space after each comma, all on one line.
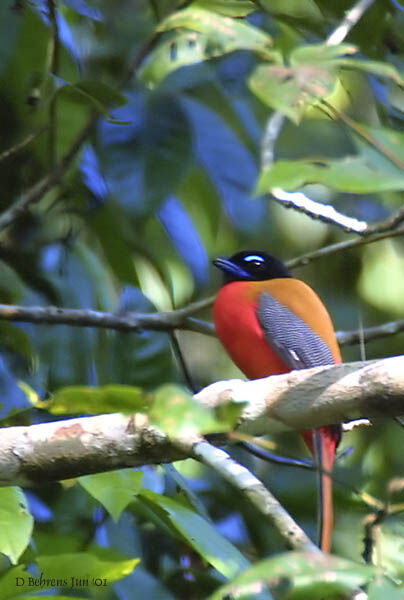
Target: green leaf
[[374, 67], [113, 490], [198, 533], [167, 146], [319, 53], [383, 588], [298, 575], [230, 8], [382, 147], [291, 90], [14, 582], [96, 94], [97, 400], [298, 9], [110, 224], [186, 490], [52, 597], [202, 35], [176, 412], [15, 340], [16, 523], [91, 567], [352, 174]]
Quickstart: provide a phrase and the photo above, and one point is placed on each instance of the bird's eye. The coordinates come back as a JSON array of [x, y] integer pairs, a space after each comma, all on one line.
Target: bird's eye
[[256, 259]]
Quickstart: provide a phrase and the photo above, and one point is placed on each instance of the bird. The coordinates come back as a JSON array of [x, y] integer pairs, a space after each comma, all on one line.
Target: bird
[[272, 323]]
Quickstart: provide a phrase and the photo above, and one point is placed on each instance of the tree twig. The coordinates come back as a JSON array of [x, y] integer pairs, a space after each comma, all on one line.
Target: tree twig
[[130, 322], [298, 200], [37, 191], [20, 145], [53, 68], [318, 210], [340, 246], [159, 321], [348, 338], [260, 497], [350, 20]]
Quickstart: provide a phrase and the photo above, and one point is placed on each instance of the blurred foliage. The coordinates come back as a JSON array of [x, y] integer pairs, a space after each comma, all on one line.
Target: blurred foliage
[[179, 94]]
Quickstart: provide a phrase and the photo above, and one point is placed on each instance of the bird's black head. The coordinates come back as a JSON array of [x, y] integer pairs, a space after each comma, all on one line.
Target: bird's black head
[[251, 265]]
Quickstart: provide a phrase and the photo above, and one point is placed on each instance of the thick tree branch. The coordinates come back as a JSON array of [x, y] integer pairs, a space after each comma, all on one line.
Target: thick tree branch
[[315, 397], [74, 447], [297, 400]]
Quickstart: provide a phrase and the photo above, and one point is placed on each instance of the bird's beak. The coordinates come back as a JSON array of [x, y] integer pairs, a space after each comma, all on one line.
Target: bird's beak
[[230, 268]]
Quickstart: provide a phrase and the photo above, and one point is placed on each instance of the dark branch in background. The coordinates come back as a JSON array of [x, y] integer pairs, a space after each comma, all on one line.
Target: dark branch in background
[[389, 224], [53, 69], [20, 145], [159, 321], [339, 246], [348, 338], [36, 193], [132, 322], [188, 379], [360, 131]]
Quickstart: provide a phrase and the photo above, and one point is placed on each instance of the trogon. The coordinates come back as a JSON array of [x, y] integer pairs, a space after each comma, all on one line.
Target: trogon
[[271, 323]]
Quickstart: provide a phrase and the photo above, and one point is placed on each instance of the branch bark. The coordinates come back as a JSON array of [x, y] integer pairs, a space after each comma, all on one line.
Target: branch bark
[[297, 400]]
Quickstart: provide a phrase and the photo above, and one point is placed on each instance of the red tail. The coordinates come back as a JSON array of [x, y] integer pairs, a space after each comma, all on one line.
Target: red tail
[[323, 444]]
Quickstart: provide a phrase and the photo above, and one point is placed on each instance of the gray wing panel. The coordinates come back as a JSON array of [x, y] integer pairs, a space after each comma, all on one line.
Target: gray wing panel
[[292, 339]]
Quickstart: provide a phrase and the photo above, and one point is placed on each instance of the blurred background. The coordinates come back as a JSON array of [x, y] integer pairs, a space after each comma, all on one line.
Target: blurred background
[[164, 181]]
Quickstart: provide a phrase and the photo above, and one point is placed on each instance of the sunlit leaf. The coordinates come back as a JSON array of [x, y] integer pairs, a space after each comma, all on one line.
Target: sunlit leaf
[[319, 53], [292, 89], [298, 9], [202, 35], [351, 174], [113, 490], [16, 523], [178, 414], [95, 566], [297, 575], [230, 8], [198, 533], [97, 400], [382, 146], [378, 68]]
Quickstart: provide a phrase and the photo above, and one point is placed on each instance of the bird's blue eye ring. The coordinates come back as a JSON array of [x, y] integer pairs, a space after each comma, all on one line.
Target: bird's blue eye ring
[[254, 258]]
